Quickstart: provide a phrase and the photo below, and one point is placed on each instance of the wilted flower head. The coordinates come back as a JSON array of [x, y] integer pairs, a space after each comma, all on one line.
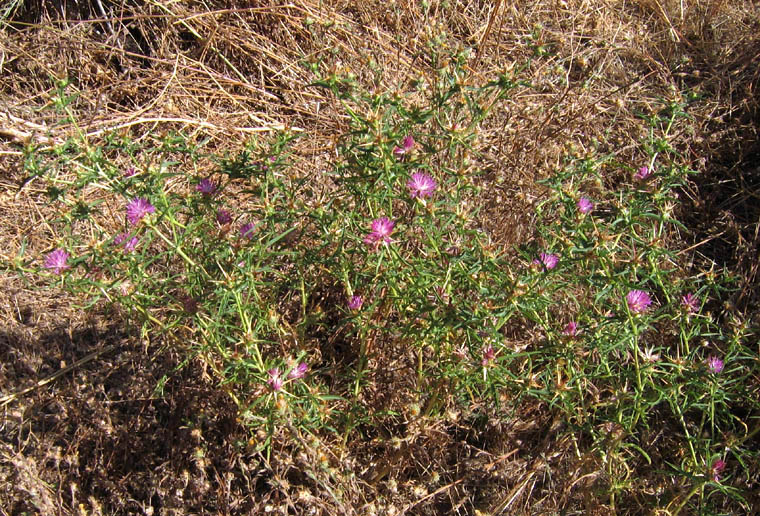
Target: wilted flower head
[[717, 468], [439, 293], [189, 303], [298, 371], [247, 230], [407, 144], [571, 329], [206, 186], [421, 185], [690, 302], [488, 355], [453, 250], [648, 355], [638, 301], [585, 205], [642, 173], [714, 364], [380, 231], [275, 380], [355, 303], [223, 216], [137, 209], [56, 261], [130, 172], [124, 288], [548, 260]]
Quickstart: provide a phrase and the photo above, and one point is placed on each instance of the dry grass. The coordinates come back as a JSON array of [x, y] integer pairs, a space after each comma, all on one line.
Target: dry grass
[[98, 441]]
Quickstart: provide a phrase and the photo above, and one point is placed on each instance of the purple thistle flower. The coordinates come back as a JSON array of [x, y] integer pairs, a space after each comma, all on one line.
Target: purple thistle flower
[[690, 302], [380, 231], [130, 172], [298, 371], [129, 242], [120, 238], [383, 227], [642, 173], [488, 355], [421, 185], [206, 187], [638, 301], [223, 217], [407, 144], [717, 468], [355, 303], [275, 380], [715, 364], [56, 261], [585, 205], [247, 230], [571, 330], [548, 260], [137, 209]]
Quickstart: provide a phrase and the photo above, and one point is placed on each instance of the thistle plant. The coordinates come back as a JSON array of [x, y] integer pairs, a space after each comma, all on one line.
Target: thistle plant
[[260, 272]]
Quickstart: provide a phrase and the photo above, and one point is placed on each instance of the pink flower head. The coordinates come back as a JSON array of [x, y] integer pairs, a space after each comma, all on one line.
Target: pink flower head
[[275, 380], [714, 364], [571, 329], [247, 230], [120, 238], [355, 303], [130, 172], [56, 261], [421, 185], [488, 355], [717, 468], [298, 371], [585, 205], [223, 217], [131, 244], [638, 301], [380, 231], [548, 260], [690, 302], [128, 241], [206, 186], [407, 144], [137, 209], [642, 173]]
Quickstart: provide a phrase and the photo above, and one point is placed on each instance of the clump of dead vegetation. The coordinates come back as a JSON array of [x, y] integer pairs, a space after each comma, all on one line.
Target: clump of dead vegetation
[[99, 439]]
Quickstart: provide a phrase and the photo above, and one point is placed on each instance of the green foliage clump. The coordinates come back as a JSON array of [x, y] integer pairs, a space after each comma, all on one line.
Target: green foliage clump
[[293, 289]]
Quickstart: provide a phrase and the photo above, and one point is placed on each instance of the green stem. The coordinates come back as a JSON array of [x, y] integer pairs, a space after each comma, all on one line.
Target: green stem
[[688, 496], [637, 365], [174, 246]]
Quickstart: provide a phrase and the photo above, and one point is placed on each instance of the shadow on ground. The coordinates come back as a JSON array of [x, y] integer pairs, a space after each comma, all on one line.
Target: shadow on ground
[[99, 435]]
